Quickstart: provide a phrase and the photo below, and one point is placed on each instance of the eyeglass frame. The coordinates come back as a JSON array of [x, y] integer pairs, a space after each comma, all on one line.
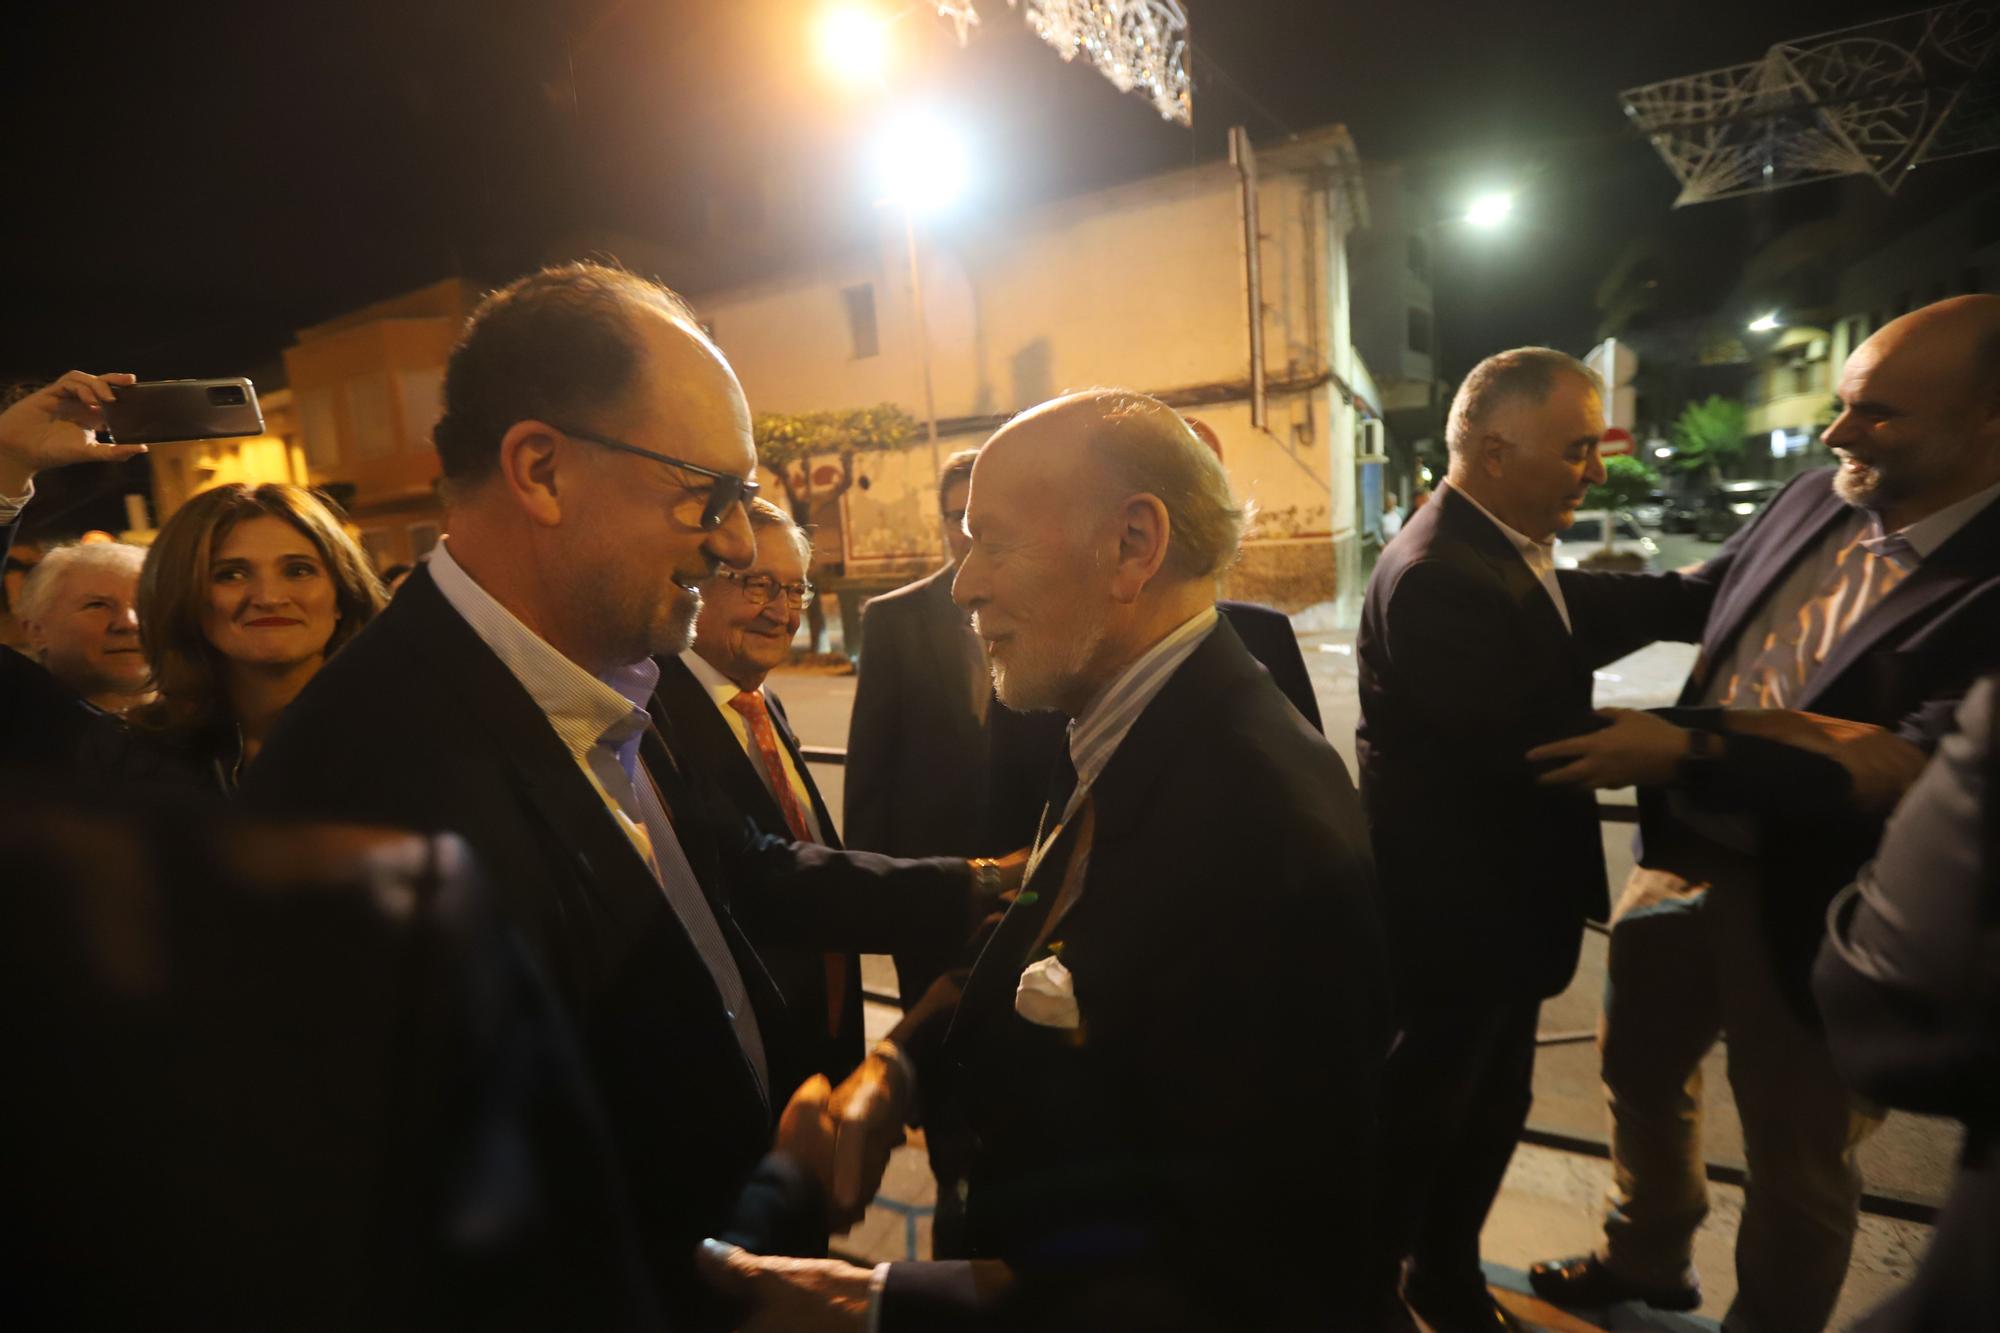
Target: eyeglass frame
[[729, 489], [742, 582]]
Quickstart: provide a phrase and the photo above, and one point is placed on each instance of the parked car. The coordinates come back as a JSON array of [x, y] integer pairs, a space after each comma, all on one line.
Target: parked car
[[1650, 512], [1731, 505], [1680, 511], [1584, 538]]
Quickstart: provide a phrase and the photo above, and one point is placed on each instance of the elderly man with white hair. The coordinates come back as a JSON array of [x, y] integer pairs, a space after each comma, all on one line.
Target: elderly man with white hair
[[1171, 1038], [77, 607]]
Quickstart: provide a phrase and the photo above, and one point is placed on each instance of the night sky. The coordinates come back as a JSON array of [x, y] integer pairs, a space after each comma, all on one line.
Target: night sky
[[193, 182]]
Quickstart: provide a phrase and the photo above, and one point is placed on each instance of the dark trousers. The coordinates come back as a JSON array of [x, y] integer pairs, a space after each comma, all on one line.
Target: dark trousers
[[1455, 1095]]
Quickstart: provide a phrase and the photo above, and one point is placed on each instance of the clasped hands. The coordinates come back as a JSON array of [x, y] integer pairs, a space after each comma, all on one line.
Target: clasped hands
[[1638, 749], [844, 1137]]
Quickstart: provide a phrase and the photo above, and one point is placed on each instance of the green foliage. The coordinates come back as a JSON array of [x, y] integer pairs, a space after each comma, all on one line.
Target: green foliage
[[787, 442], [1627, 481], [1708, 434], [786, 438]]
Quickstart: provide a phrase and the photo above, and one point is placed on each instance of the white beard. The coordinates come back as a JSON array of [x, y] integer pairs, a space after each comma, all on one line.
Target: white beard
[[1038, 679]]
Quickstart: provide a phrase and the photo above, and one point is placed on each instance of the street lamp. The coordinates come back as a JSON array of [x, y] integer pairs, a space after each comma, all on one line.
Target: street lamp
[[1489, 211], [922, 167], [854, 45], [1764, 323]]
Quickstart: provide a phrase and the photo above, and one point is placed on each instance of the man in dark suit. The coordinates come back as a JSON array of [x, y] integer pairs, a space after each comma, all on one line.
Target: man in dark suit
[[1838, 631], [1910, 993], [596, 448], [934, 766], [725, 723], [1176, 1027], [1467, 657]]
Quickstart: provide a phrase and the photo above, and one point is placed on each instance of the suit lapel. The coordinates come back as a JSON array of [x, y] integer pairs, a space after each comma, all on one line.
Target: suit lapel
[[1966, 558], [1463, 522], [701, 732], [789, 739], [1757, 584]]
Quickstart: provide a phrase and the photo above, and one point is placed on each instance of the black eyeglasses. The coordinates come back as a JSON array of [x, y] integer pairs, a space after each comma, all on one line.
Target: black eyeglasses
[[728, 490], [759, 589]]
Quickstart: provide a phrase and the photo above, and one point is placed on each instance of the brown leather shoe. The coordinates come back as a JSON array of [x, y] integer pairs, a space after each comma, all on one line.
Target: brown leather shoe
[[1582, 1280]]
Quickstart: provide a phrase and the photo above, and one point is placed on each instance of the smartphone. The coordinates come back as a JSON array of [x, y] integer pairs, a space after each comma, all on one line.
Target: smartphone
[[158, 411]]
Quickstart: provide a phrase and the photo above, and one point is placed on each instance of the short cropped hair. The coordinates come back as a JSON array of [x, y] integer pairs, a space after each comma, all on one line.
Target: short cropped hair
[[560, 346], [1143, 446], [767, 517], [44, 582], [957, 470], [1519, 373]]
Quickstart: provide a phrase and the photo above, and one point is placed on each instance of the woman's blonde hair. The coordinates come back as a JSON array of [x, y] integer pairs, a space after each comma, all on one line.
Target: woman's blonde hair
[[173, 589]]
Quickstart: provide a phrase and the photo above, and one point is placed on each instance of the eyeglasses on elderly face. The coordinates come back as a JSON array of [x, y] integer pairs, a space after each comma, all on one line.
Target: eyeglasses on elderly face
[[728, 488], [759, 589]]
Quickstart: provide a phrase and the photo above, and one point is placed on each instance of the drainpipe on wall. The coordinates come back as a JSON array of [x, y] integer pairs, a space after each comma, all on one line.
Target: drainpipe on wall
[[1245, 162]]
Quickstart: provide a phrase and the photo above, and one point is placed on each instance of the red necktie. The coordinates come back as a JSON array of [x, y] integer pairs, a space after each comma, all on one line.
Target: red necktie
[[764, 736]]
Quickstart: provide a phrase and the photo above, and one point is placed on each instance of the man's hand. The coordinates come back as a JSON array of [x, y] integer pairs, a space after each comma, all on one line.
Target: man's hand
[[805, 1130], [1636, 750], [869, 1109], [787, 1295], [56, 425], [1881, 764]]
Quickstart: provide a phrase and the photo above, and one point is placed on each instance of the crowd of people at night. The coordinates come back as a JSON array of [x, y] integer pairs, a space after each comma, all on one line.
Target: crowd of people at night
[[481, 952]]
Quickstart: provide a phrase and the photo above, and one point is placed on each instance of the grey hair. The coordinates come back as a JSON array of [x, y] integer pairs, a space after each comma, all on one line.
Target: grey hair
[[1143, 446], [39, 589], [764, 514], [1519, 373]]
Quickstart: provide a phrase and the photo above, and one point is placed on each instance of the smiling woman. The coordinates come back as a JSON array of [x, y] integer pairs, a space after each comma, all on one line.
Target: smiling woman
[[244, 595]]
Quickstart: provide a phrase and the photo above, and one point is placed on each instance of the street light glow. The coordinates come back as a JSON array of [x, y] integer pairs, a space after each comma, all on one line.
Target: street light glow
[[854, 45], [1663, 452], [921, 164], [1764, 323], [1490, 210]]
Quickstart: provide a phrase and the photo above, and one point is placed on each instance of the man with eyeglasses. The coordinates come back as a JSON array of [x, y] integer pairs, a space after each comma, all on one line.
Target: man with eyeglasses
[[596, 452], [725, 723]]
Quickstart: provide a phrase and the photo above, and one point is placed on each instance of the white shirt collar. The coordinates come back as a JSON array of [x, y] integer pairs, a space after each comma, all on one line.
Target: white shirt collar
[[1539, 555], [720, 687], [1098, 731], [581, 707]]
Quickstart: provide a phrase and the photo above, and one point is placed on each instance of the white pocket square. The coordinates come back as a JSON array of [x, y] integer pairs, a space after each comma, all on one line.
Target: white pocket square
[[1046, 996]]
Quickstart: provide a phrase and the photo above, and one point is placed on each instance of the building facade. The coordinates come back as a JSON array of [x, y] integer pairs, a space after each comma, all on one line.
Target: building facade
[[1145, 286]]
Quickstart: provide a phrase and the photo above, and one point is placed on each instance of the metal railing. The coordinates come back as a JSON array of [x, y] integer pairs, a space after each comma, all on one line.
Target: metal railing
[[1879, 1203]]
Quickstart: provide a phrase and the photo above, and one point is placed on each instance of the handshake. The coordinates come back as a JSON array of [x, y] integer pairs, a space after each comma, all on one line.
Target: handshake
[[844, 1135]]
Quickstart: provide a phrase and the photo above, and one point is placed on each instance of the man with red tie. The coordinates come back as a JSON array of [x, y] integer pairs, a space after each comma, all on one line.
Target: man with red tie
[[725, 726]]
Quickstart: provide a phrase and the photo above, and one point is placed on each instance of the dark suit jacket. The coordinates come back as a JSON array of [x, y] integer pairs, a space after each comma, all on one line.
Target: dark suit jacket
[[916, 780], [417, 723], [1228, 966], [703, 743], [1267, 633], [286, 1078], [1487, 877], [1909, 984], [1905, 666]]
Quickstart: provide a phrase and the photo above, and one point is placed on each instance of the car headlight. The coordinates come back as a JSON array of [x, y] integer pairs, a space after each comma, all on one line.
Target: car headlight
[[1743, 510]]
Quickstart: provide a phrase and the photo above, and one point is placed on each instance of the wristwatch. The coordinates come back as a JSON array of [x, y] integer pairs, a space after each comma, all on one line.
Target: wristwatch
[[1697, 765]]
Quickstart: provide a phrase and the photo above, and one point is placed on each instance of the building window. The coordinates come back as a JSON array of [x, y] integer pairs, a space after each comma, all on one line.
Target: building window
[[1420, 257], [1420, 330], [862, 338]]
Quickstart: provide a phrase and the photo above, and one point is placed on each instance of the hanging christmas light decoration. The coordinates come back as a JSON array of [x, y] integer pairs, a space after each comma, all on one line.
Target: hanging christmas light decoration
[[1140, 44], [962, 15]]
